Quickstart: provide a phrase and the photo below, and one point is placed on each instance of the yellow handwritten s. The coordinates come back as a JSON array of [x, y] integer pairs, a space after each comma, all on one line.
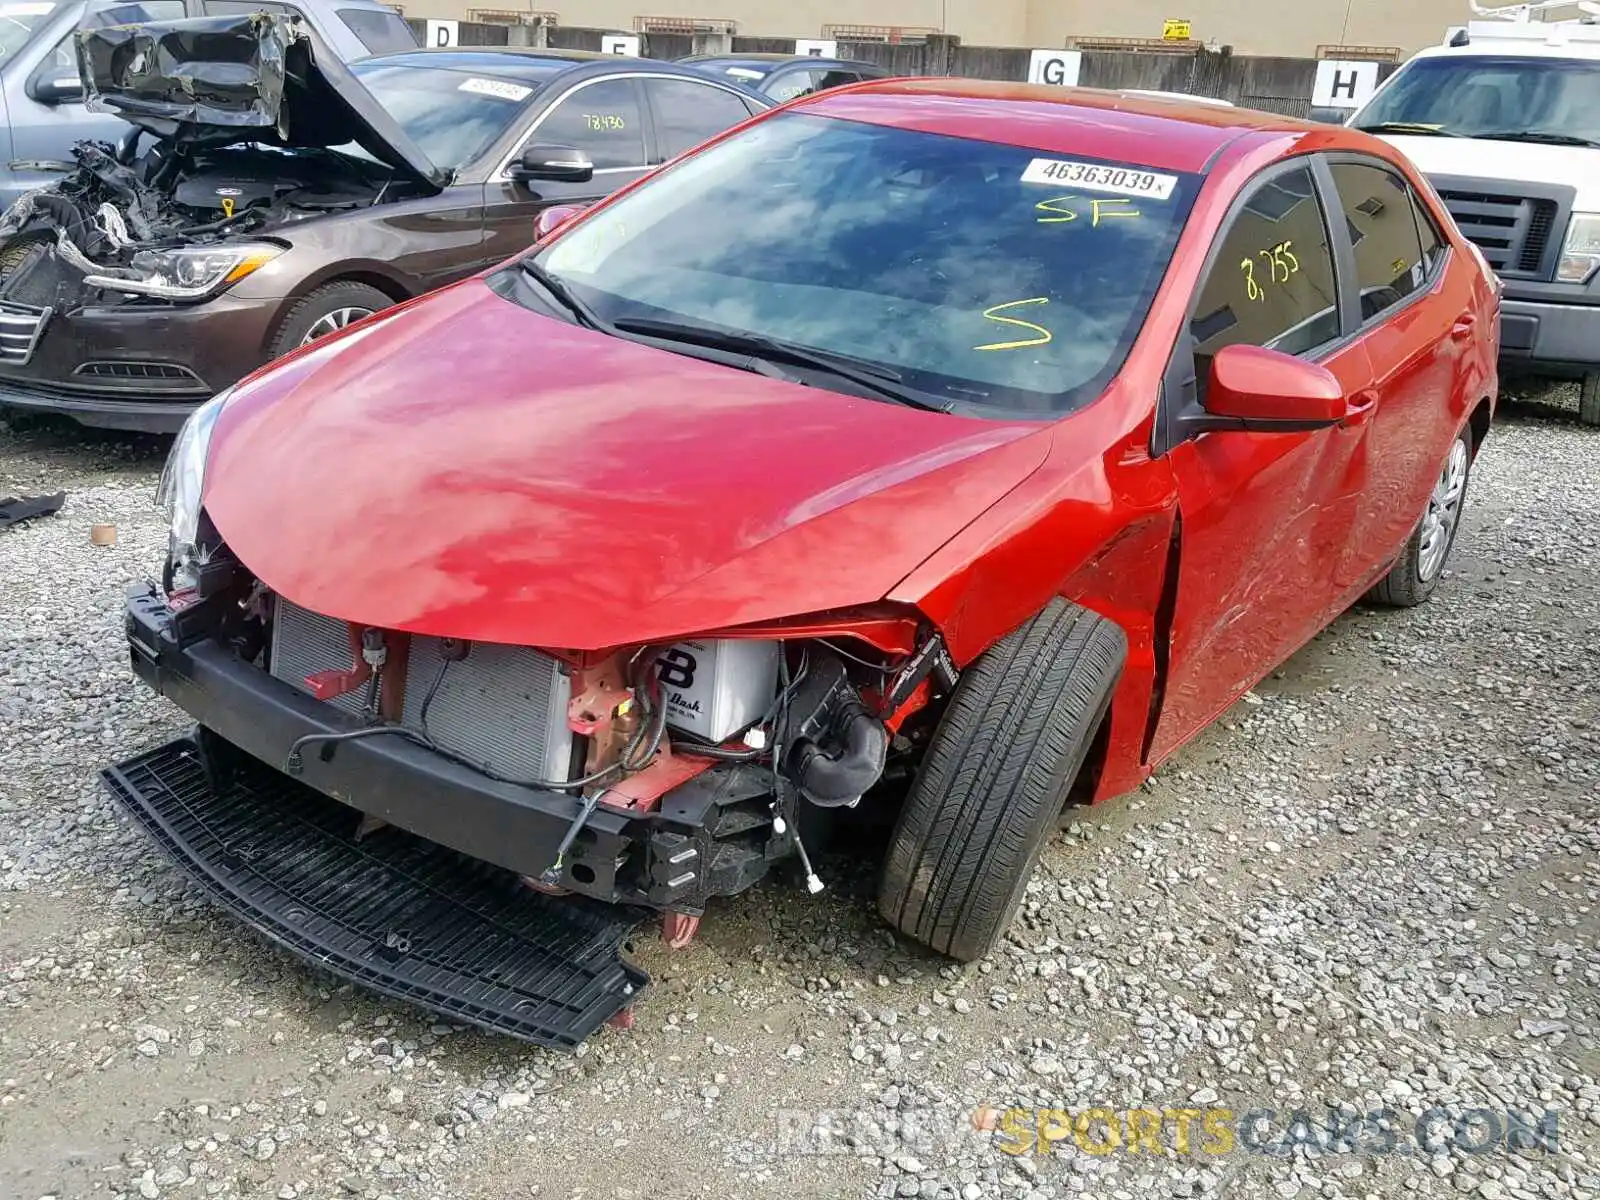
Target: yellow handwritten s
[[993, 314], [1060, 214]]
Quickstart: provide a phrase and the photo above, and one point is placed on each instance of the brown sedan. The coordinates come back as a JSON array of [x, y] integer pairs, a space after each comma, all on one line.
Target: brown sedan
[[269, 214]]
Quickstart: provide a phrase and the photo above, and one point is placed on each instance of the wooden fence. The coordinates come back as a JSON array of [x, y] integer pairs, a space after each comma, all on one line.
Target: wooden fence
[[1281, 85]]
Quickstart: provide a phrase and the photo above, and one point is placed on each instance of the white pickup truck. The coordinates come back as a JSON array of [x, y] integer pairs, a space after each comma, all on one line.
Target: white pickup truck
[[1504, 119]]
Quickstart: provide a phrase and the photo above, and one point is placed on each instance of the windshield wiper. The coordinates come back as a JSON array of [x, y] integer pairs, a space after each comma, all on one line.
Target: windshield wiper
[[563, 295], [1411, 127], [881, 380], [1548, 136]]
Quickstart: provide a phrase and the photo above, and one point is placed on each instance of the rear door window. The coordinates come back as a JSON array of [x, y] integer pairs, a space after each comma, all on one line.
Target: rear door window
[[790, 84], [1272, 281], [1382, 224], [379, 32], [603, 119], [217, 8], [687, 113], [833, 79]]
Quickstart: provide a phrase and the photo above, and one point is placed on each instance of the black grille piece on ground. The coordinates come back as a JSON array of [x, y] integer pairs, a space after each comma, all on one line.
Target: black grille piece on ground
[[393, 912]]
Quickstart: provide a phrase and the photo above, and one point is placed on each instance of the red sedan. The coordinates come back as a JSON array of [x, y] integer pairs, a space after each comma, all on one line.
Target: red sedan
[[994, 438]]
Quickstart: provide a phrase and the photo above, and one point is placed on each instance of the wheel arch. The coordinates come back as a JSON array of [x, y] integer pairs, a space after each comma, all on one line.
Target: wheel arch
[[396, 289], [1478, 422], [372, 274]]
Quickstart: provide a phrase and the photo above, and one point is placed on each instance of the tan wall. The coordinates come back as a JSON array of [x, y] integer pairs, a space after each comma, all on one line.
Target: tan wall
[[1250, 26], [1259, 27]]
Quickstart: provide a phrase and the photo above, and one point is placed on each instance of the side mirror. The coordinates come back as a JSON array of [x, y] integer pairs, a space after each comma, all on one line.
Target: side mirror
[[68, 89], [561, 163], [553, 218], [1265, 390], [1332, 116]]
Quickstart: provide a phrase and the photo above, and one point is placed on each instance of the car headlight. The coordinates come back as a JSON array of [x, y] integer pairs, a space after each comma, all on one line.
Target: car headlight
[[178, 493], [1580, 256], [188, 273]]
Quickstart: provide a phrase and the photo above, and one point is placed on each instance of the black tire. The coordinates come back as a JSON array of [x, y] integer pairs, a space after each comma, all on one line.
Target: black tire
[[995, 778], [1412, 578], [1589, 399], [340, 296]]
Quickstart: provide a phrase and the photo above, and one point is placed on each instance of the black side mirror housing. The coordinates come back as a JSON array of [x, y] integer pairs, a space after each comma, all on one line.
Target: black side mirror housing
[[51, 89], [564, 164]]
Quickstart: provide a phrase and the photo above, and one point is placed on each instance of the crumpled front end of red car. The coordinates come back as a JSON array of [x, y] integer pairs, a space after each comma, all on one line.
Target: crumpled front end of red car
[[438, 818]]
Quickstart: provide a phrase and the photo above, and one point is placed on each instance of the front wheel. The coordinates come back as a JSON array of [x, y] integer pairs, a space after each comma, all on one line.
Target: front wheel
[[327, 310], [1421, 564], [995, 778]]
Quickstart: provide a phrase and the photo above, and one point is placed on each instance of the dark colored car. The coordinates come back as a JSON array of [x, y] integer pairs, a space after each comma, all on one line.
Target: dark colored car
[[288, 206], [785, 76]]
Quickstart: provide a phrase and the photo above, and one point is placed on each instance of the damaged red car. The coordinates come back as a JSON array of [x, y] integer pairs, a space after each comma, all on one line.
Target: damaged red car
[[989, 438]]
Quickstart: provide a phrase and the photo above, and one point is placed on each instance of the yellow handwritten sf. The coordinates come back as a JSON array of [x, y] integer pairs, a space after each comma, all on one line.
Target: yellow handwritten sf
[[993, 314], [1099, 209]]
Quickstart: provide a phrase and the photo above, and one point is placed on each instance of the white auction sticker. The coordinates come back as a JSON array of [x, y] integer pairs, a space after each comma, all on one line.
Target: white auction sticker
[[26, 10], [496, 87], [744, 73], [1097, 177]]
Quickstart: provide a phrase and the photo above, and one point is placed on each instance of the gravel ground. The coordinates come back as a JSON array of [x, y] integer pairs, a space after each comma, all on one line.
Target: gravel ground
[[1374, 885]]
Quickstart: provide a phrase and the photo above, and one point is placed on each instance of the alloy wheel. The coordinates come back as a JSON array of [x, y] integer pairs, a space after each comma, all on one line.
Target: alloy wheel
[[333, 322], [1444, 510]]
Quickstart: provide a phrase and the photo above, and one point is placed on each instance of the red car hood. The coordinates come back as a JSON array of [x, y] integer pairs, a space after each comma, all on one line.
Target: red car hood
[[463, 467]]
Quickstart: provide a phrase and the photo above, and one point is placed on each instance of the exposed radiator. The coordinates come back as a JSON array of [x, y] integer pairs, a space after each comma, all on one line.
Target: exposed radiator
[[501, 708]]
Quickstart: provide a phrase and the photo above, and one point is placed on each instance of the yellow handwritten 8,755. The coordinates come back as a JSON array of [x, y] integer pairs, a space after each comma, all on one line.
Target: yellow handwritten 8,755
[[1039, 335], [1281, 265]]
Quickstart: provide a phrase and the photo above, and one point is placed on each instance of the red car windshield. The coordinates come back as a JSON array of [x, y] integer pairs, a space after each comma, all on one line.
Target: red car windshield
[[984, 276]]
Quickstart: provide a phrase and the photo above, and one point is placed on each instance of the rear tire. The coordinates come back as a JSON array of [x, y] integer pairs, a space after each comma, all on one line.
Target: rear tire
[[1589, 399], [327, 309], [995, 778], [1421, 564]]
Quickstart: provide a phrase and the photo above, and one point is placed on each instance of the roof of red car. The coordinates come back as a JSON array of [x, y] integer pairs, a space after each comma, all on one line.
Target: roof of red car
[[1115, 126]]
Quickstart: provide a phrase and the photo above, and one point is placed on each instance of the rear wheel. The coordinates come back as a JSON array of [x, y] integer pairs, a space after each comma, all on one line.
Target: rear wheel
[[327, 310], [1421, 564], [995, 779], [1589, 399]]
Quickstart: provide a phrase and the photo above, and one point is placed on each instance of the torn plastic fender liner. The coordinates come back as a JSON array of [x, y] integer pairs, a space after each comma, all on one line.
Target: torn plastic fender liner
[[215, 71]]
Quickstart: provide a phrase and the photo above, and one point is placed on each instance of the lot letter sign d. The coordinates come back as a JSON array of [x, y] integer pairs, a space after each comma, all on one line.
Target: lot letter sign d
[[1057, 67], [444, 33]]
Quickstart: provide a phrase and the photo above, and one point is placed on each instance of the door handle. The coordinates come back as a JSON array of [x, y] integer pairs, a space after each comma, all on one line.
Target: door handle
[[1362, 406], [1463, 327]]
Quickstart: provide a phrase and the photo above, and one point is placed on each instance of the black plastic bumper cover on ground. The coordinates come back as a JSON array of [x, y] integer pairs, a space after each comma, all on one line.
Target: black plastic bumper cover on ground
[[392, 912]]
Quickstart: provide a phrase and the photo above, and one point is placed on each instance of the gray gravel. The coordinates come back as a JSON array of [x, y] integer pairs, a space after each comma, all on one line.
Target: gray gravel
[[1372, 885]]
